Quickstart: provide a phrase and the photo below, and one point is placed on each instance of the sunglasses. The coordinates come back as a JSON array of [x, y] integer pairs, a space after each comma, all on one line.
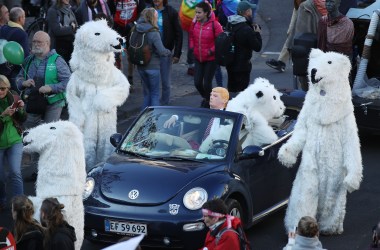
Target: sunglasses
[[3, 88]]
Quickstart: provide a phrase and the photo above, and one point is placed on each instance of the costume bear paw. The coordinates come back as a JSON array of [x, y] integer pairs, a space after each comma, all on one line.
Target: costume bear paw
[[286, 157], [351, 183]]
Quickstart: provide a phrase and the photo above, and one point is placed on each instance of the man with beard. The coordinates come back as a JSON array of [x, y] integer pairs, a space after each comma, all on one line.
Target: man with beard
[[43, 79], [47, 72]]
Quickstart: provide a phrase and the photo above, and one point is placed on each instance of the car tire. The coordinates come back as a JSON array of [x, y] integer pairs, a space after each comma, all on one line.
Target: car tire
[[234, 209]]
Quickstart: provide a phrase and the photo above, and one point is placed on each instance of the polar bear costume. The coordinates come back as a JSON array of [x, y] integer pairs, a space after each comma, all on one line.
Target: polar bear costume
[[327, 135], [259, 102], [96, 88], [61, 170]]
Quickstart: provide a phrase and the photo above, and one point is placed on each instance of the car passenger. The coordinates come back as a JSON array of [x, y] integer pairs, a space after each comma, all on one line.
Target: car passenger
[[218, 100]]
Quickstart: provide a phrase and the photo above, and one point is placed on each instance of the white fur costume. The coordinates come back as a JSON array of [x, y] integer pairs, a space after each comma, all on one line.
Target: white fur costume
[[61, 170], [327, 135], [259, 102], [96, 88]]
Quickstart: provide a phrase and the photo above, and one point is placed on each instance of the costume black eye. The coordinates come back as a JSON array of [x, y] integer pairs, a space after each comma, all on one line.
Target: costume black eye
[[259, 94], [274, 97], [97, 34], [52, 128], [329, 62]]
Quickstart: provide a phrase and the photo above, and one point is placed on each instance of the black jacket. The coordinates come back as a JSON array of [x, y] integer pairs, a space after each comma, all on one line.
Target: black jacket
[[63, 238], [246, 40], [32, 239], [172, 32]]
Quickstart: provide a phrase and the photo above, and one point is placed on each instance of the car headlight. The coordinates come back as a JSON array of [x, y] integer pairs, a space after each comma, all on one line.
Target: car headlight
[[195, 198], [88, 187]]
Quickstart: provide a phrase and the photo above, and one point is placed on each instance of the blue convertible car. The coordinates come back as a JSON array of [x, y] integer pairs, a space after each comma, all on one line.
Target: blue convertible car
[[157, 180]]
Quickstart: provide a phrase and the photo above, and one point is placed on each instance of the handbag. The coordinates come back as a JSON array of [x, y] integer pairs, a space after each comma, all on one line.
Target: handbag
[[35, 102]]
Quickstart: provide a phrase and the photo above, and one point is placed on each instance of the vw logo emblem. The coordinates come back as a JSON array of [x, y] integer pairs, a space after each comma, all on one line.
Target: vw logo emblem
[[133, 194]]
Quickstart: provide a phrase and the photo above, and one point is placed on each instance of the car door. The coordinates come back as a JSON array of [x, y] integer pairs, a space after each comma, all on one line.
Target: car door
[[268, 181]]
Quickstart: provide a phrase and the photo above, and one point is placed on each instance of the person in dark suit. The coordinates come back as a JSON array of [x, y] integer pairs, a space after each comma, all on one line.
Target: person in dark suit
[[218, 100]]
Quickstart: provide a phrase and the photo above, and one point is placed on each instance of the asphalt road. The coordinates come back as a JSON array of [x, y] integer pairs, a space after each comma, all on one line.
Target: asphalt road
[[363, 205]]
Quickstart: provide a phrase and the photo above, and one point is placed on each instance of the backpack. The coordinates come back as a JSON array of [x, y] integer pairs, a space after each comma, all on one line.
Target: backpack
[[225, 46], [244, 243], [139, 50]]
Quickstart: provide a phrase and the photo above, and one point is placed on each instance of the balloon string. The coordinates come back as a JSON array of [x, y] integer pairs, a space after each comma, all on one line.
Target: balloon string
[[25, 72]]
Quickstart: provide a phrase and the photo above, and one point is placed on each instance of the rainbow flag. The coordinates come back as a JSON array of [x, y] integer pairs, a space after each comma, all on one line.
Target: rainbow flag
[[229, 7], [187, 12]]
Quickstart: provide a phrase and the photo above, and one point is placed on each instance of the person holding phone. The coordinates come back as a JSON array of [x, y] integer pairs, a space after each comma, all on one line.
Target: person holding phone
[[305, 235], [12, 114]]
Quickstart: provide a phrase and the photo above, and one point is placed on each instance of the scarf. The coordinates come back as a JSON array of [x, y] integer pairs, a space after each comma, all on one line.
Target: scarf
[[15, 25], [228, 217], [323, 44], [68, 15], [321, 7]]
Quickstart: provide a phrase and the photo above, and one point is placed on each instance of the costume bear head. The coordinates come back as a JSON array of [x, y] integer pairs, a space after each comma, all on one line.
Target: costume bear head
[[97, 36], [94, 47], [260, 96], [61, 165], [329, 88], [58, 136]]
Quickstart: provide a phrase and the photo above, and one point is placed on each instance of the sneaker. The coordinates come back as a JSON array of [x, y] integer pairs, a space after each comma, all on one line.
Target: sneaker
[[280, 66], [190, 71]]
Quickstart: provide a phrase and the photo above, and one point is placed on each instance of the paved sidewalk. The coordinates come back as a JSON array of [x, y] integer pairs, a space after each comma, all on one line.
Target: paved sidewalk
[[182, 84]]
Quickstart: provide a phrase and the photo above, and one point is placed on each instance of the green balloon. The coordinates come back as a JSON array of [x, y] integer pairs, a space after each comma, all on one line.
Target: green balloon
[[13, 52]]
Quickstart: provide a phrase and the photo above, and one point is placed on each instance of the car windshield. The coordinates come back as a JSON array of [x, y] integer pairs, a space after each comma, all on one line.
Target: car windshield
[[179, 134]]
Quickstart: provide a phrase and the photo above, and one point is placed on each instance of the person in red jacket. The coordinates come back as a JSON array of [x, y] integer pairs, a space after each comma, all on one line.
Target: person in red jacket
[[216, 218], [202, 41]]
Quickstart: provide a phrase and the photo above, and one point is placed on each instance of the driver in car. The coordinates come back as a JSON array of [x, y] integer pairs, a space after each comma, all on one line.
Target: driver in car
[[218, 100]]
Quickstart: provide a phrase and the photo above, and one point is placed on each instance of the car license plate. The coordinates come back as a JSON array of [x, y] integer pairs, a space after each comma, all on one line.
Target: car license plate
[[125, 227]]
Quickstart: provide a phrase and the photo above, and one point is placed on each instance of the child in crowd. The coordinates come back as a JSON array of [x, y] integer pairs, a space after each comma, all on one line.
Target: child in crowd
[[305, 236]]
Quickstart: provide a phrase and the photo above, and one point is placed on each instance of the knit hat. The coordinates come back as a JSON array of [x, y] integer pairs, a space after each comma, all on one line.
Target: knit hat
[[244, 5]]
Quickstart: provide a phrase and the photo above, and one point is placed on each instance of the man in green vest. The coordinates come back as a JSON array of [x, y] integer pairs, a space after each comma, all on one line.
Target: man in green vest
[[42, 80]]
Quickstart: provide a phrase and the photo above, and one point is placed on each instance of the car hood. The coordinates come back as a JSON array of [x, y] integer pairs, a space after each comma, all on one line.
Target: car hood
[[152, 181]]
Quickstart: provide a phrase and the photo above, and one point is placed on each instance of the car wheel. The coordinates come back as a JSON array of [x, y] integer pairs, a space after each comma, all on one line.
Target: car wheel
[[234, 209]]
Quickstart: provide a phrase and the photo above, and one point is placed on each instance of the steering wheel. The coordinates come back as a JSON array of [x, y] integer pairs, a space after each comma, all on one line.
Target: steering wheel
[[219, 148]]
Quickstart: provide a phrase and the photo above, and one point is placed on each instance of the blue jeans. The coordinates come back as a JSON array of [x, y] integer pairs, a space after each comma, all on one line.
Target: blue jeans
[[151, 87], [166, 79], [14, 155]]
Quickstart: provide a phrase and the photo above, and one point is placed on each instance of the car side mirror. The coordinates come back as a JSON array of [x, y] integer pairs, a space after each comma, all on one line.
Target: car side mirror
[[250, 152], [115, 139]]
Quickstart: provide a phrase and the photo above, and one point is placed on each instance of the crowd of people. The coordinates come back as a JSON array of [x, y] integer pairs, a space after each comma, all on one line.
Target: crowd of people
[[42, 78]]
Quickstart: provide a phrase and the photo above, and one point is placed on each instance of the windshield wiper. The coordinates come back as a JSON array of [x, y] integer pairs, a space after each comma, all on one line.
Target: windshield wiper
[[176, 158], [134, 153]]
